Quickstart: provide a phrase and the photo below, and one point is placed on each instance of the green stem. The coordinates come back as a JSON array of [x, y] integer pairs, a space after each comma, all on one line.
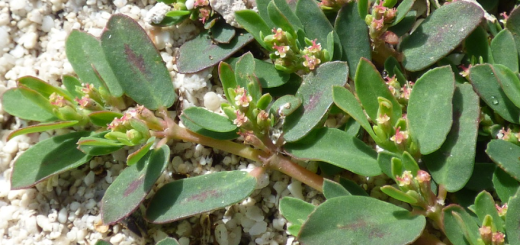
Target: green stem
[[270, 160]]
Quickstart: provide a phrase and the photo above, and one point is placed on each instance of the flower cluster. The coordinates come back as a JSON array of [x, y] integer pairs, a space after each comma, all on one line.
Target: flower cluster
[[400, 92], [509, 134], [488, 237], [418, 186], [378, 22], [291, 56], [131, 129]]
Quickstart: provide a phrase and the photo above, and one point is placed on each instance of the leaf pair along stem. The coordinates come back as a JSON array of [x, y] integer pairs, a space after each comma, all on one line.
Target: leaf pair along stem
[[269, 160]]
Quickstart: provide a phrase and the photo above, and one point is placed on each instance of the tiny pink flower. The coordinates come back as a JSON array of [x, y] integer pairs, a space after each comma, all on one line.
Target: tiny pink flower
[[378, 24], [502, 210], [465, 70], [262, 116], [84, 101], [242, 98], [278, 34], [57, 100], [200, 3], [382, 119], [315, 47], [281, 50], [504, 134], [311, 61], [485, 233], [399, 136], [87, 88], [498, 238], [204, 15], [241, 118], [423, 176], [405, 179], [116, 123]]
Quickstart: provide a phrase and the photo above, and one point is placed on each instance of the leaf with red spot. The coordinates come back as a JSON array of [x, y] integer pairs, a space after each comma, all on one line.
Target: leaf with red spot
[[316, 95], [186, 197], [136, 63], [132, 185], [368, 221]]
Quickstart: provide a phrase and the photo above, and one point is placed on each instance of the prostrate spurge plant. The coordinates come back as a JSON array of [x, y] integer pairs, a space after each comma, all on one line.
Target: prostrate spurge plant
[[325, 61]]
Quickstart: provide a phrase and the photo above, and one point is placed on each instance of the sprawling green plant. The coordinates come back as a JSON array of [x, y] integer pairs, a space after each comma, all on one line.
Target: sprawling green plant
[[389, 71]]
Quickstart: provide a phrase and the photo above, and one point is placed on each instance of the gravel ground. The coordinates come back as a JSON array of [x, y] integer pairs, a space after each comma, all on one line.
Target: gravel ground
[[65, 209]]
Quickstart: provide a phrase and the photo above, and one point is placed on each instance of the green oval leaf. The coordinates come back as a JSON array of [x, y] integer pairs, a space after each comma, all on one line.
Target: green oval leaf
[[209, 120], [373, 222], [398, 194], [316, 24], [42, 87], [201, 52], [254, 24], [268, 76], [506, 155], [513, 25], [452, 164], [136, 63], [316, 95], [504, 50], [513, 219], [509, 82], [487, 84], [346, 101], [140, 153], [202, 131], [453, 216], [40, 128], [485, 205], [222, 32], [333, 189], [86, 56], [322, 145], [353, 35], [49, 157], [296, 212], [285, 105], [430, 108], [127, 191], [370, 85], [505, 185], [187, 197], [98, 145], [402, 10], [440, 33], [70, 84]]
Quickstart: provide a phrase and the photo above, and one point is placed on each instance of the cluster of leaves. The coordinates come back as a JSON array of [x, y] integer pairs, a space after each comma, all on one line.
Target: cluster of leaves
[[426, 117]]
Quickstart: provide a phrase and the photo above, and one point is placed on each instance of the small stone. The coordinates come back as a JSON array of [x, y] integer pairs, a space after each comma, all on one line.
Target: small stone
[[62, 215], [43, 222], [258, 228], [221, 234], [89, 179], [212, 101], [74, 206], [254, 213]]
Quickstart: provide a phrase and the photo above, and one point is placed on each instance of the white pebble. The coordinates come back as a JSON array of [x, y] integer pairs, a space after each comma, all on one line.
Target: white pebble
[[254, 213], [74, 206], [212, 101], [258, 228], [221, 234], [62, 216], [11, 147], [120, 3], [89, 179], [296, 189], [90, 204], [43, 222], [30, 39]]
